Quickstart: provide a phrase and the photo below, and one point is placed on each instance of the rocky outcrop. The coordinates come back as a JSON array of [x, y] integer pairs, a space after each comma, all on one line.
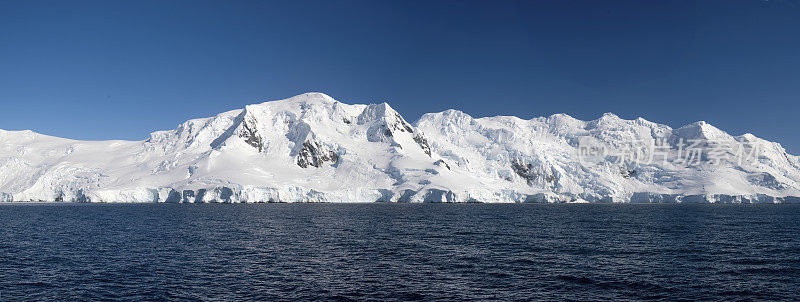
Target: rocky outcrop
[[423, 143], [313, 154], [530, 175], [250, 135]]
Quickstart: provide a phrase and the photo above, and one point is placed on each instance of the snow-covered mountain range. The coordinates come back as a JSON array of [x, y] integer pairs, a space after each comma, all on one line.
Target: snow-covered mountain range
[[312, 148]]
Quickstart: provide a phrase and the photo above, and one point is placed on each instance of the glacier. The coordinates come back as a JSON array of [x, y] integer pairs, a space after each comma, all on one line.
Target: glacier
[[312, 148]]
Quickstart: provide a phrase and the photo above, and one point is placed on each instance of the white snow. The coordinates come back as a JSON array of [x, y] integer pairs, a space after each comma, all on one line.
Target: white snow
[[312, 148]]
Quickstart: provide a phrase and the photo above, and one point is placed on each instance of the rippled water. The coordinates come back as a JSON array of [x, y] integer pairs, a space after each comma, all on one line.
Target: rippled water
[[398, 251]]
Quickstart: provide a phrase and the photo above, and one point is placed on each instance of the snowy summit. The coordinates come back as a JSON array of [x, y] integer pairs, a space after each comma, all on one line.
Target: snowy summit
[[312, 148]]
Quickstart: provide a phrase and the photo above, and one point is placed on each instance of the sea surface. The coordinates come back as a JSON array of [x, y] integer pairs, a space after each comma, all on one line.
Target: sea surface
[[232, 252]]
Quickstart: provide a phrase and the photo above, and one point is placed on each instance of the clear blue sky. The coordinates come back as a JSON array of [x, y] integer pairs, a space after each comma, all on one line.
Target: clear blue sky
[[122, 69]]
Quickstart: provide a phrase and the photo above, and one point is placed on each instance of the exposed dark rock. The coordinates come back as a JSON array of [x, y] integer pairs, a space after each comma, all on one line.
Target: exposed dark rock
[[525, 171], [627, 173], [766, 180], [346, 121], [441, 162], [313, 154], [249, 134], [407, 127], [402, 125], [423, 143]]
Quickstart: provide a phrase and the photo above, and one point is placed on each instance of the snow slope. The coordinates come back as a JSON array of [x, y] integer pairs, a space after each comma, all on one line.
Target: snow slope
[[312, 148]]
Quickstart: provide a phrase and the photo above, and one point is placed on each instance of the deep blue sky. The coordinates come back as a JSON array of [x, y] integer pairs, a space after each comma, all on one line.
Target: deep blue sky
[[122, 69]]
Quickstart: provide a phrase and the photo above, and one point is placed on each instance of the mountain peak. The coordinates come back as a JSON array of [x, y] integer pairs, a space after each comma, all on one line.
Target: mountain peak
[[301, 100], [311, 96], [374, 112], [700, 130], [609, 115]]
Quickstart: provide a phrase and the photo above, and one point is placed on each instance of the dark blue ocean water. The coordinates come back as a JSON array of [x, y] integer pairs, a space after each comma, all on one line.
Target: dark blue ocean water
[[231, 252]]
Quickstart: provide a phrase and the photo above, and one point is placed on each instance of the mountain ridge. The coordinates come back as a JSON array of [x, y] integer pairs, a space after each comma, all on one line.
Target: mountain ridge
[[313, 148]]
